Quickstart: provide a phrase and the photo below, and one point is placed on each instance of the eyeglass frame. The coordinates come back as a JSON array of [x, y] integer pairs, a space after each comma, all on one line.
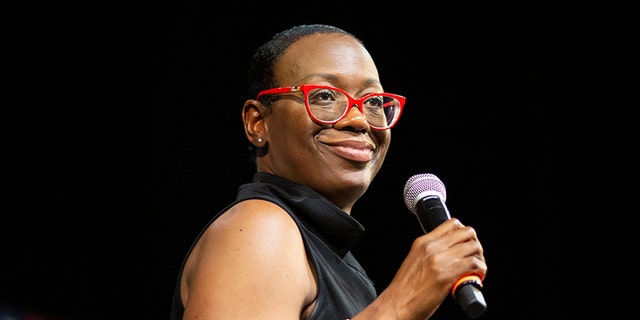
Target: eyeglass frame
[[305, 88]]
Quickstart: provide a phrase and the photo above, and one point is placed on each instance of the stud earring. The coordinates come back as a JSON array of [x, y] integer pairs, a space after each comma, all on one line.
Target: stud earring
[[259, 139]]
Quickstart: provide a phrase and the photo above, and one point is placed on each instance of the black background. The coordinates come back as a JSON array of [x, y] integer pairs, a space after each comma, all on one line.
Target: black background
[[111, 184]]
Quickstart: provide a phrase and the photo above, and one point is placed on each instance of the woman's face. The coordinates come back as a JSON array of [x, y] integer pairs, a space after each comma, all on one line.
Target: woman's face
[[338, 160]]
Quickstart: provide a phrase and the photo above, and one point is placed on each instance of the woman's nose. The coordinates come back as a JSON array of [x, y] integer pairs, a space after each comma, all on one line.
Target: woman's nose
[[354, 118]]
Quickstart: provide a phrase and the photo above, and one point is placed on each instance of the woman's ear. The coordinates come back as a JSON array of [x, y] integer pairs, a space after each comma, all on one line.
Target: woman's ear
[[252, 117]]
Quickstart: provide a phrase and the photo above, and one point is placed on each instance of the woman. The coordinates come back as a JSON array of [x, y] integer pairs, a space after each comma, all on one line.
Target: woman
[[320, 121]]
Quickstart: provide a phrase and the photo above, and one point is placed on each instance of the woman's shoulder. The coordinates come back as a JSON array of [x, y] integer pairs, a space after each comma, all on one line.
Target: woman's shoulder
[[251, 246], [249, 223], [258, 214]]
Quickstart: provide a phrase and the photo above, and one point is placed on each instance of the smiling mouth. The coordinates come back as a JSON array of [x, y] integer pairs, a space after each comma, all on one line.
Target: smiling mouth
[[353, 154]]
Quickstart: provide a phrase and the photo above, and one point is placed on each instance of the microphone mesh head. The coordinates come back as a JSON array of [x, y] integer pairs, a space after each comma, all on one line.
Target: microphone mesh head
[[421, 185]]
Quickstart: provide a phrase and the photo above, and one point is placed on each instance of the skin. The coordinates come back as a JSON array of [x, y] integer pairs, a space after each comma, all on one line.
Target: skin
[[251, 262]]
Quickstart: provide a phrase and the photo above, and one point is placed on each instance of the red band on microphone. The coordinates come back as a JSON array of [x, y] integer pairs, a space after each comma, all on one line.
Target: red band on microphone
[[472, 278]]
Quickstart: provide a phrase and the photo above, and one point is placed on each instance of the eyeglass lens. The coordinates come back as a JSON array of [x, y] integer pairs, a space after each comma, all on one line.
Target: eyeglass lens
[[330, 105]]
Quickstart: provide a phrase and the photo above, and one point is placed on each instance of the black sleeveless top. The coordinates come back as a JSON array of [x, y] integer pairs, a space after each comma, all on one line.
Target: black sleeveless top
[[329, 233]]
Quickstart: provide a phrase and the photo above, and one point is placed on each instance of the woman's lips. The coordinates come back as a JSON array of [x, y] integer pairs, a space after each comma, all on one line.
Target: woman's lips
[[353, 150], [362, 155]]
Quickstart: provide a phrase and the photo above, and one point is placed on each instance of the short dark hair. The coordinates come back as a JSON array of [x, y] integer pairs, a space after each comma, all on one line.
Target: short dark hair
[[260, 75]]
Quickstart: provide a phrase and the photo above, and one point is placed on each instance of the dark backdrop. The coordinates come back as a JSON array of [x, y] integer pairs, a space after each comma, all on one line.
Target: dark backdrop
[[110, 193]]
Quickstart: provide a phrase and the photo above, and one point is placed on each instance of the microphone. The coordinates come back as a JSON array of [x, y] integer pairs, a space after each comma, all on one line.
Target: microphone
[[424, 196]]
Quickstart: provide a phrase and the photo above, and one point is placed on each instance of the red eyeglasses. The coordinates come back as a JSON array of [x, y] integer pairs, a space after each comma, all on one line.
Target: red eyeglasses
[[328, 105]]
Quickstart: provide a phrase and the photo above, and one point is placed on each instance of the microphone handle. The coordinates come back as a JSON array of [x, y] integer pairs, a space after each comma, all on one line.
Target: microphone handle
[[468, 292], [431, 212]]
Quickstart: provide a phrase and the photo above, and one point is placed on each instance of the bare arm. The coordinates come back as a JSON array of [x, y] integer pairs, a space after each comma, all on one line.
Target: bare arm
[[249, 264]]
